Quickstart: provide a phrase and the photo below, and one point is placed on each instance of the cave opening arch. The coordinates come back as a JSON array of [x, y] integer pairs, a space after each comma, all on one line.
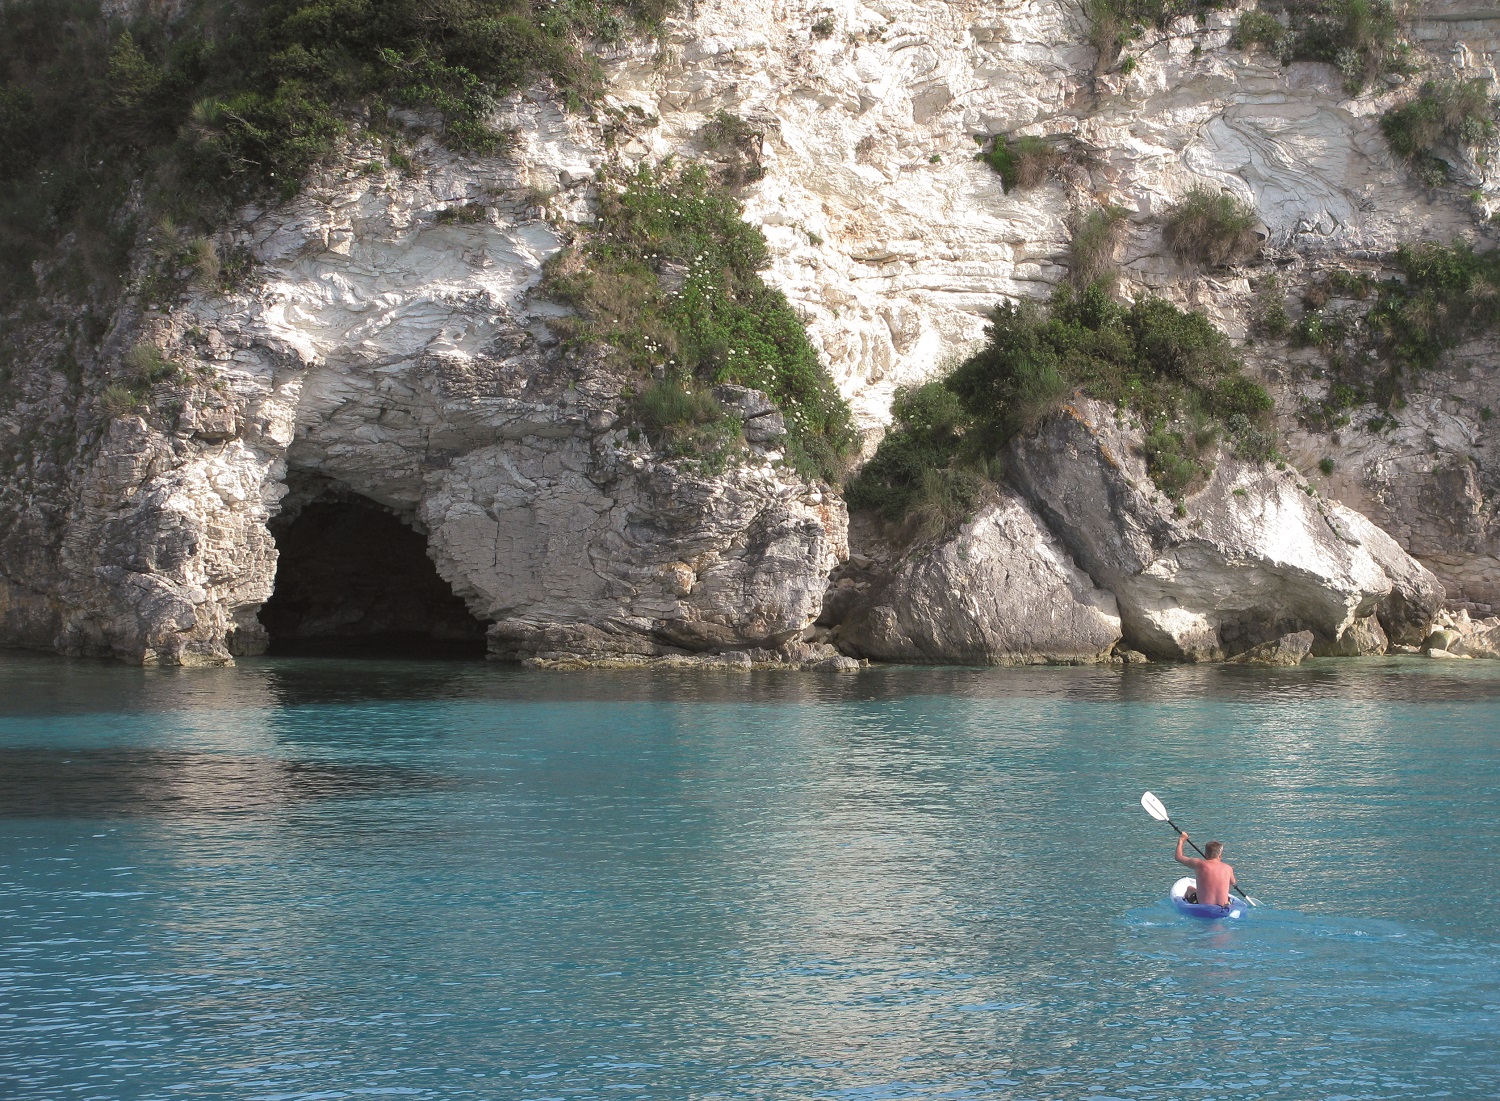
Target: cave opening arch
[[353, 579]]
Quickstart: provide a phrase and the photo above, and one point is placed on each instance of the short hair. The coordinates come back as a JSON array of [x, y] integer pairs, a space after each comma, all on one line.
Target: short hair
[[1213, 849]]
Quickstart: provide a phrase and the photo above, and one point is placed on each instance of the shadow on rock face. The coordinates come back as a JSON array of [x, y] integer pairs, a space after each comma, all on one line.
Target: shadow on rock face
[[353, 580]]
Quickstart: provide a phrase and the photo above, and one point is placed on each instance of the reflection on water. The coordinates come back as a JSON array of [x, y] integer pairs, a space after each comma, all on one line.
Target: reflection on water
[[332, 879], [93, 783], [40, 685]]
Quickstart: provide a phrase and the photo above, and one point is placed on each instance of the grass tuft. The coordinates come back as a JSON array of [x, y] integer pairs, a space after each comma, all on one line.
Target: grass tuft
[[1211, 228], [1091, 252], [1024, 162]]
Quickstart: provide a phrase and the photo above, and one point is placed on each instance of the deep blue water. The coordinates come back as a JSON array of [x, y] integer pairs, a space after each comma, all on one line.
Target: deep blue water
[[316, 879]]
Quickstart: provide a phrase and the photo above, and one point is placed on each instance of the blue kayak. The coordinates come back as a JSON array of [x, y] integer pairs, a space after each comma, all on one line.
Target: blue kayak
[[1237, 907]]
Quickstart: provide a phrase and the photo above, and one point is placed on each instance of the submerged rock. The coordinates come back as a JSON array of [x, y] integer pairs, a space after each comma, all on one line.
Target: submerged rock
[[1364, 638], [1250, 557], [1286, 650], [1482, 639], [1002, 591]]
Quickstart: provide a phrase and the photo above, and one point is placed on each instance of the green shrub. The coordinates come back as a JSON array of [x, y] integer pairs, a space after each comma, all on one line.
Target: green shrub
[[918, 475], [735, 143], [1023, 162], [1172, 461], [1268, 315], [668, 276], [1445, 294], [1458, 113], [1362, 38], [1326, 465], [1211, 228], [229, 101], [1173, 369], [1258, 28], [1112, 24], [1091, 252]]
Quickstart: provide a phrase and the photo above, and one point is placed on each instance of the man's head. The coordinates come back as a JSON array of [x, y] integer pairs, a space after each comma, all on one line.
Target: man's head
[[1213, 849]]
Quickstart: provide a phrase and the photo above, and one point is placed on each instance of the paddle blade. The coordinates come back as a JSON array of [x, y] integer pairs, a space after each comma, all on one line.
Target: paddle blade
[[1153, 807]]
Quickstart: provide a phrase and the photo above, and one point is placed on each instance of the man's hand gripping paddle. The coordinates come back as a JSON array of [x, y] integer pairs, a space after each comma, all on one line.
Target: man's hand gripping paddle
[[1156, 810]]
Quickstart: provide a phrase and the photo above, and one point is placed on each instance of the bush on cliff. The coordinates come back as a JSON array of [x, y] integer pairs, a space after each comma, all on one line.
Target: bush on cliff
[[230, 101], [1361, 38], [1446, 294], [1211, 228], [1172, 369], [1024, 162], [669, 279], [1112, 24], [1457, 113]]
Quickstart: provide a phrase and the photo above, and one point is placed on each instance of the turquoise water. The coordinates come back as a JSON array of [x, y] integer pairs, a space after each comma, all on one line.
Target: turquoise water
[[339, 880]]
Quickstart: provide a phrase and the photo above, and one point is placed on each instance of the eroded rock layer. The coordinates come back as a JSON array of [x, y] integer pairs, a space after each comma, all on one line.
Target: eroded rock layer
[[390, 347]]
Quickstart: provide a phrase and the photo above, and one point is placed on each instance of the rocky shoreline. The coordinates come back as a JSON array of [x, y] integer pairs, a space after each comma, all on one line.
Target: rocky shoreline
[[390, 346]]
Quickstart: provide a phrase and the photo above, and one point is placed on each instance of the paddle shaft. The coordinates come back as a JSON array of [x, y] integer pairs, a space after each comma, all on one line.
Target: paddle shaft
[[1236, 888]]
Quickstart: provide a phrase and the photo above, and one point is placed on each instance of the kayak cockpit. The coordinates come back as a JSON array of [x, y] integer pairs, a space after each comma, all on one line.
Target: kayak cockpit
[[1237, 907]]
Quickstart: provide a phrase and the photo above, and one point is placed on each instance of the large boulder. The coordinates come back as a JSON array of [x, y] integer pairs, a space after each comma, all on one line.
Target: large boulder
[[600, 548], [1002, 591], [1250, 557]]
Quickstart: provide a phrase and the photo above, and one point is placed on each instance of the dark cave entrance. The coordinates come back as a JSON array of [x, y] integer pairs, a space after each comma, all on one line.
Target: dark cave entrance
[[353, 581]]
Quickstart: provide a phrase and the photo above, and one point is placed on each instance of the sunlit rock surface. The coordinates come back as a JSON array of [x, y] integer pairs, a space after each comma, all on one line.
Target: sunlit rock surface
[[1002, 591], [1249, 556], [400, 351]]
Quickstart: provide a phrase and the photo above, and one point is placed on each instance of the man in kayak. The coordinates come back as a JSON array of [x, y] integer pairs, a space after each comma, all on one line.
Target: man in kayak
[[1214, 876]]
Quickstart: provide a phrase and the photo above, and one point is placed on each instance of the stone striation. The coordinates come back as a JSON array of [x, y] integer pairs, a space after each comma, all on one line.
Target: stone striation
[[1003, 591], [403, 356], [1253, 554], [393, 354]]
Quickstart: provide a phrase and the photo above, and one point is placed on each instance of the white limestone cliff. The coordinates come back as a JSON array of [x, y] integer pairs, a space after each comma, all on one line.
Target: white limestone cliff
[[402, 352]]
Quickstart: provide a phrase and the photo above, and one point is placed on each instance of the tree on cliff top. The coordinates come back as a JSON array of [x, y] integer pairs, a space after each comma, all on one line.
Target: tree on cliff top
[[230, 101]]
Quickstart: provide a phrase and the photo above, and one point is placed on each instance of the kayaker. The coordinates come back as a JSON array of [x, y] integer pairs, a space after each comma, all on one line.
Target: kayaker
[[1213, 875]]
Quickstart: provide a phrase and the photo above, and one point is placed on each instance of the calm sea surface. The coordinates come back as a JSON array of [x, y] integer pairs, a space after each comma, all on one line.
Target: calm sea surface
[[322, 879]]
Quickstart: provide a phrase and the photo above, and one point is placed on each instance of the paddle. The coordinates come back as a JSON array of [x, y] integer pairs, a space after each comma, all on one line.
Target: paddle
[[1156, 810]]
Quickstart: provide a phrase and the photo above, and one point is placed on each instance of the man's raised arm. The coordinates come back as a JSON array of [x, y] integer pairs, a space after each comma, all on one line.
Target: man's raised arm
[[1190, 861]]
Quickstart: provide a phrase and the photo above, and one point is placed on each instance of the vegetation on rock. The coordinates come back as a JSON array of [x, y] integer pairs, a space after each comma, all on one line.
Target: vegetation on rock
[[230, 101], [1362, 38], [1113, 24], [1260, 28], [1445, 294], [735, 145], [1022, 162], [668, 280], [1172, 369], [1211, 228], [1456, 113], [1091, 252]]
